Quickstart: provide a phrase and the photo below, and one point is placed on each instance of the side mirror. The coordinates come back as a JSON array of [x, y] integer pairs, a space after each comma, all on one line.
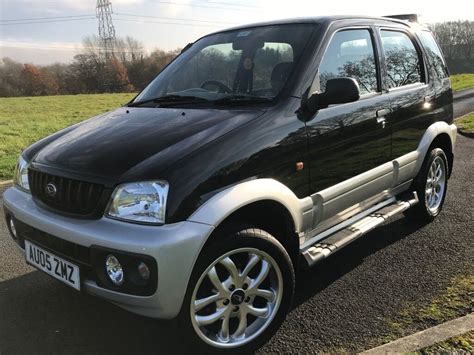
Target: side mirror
[[338, 91]]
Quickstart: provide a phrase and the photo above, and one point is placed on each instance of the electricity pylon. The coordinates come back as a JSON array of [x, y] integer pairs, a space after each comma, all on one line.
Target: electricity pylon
[[106, 28]]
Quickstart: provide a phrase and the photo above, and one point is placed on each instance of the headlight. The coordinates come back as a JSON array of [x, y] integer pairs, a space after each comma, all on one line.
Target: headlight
[[140, 202], [20, 176]]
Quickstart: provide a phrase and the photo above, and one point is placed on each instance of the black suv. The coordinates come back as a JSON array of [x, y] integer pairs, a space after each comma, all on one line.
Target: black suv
[[257, 150]]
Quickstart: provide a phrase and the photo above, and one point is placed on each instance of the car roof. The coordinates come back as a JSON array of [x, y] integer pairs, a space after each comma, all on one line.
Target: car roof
[[322, 20]]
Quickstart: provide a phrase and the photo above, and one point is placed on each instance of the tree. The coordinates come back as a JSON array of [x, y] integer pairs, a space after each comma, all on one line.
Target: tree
[[129, 50], [132, 68], [116, 76], [85, 72], [37, 82], [10, 78], [456, 39]]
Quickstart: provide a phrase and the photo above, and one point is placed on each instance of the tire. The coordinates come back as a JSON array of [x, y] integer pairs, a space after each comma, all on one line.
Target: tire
[[235, 295], [431, 195]]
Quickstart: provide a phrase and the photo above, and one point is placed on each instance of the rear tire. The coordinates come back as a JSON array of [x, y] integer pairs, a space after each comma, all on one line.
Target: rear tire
[[239, 293], [431, 186]]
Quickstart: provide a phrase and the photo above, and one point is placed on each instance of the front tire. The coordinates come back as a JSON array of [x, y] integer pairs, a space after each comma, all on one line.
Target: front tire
[[431, 186], [239, 293]]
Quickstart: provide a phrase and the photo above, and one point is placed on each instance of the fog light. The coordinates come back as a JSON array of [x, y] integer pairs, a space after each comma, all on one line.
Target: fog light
[[144, 271], [114, 270], [13, 228]]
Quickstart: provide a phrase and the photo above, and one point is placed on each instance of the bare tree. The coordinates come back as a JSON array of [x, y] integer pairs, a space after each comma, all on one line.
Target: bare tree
[[455, 38], [129, 49]]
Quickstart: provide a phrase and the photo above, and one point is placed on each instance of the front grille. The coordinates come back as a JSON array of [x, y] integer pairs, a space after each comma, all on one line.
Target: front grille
[[68, 196]]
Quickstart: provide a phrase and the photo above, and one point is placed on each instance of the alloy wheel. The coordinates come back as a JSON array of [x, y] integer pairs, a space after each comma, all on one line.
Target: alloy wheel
[[236, 298], [435, 185]]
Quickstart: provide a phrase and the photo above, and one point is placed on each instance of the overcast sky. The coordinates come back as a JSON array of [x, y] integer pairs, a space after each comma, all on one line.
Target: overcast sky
[[174, 23]]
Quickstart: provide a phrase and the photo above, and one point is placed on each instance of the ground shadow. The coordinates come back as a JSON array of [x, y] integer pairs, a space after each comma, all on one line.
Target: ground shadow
[[313, 280]]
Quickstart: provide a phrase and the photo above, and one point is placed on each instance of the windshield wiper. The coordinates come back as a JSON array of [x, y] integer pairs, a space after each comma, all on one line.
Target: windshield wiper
[[244, 99], [169, 100]]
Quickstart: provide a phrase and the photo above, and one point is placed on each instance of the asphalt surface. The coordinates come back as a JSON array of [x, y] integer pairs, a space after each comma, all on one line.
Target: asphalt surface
[[342, 303]]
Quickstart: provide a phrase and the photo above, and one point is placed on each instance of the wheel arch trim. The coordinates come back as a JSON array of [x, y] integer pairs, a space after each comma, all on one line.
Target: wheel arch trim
[[230, 200], [434, 131]]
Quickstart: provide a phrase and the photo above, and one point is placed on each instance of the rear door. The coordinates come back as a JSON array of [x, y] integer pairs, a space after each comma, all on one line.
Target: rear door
[[349, 139]]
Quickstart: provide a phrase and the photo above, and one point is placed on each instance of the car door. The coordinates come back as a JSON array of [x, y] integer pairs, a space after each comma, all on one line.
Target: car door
[[350, 139], [410, 96]]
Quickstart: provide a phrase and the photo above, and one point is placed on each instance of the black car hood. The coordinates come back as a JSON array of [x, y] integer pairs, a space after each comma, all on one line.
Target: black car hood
[[110, 146]]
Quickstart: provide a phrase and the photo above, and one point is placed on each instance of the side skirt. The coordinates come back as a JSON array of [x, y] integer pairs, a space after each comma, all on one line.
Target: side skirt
[[334, 239]]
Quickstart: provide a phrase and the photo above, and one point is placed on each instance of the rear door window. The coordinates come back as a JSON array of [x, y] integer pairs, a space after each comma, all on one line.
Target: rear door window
[[402, 59], [350, 54], [434, 54]]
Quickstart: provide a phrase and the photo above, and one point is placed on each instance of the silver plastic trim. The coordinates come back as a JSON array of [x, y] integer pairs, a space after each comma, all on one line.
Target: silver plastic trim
[[356, 228], [346, 223], [175, 248], [355, 209], [431, 133], [330, 201], [220, 206], [308, 213]]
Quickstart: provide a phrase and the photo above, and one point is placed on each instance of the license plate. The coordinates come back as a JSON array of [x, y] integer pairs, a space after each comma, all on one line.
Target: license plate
[[53, 265]]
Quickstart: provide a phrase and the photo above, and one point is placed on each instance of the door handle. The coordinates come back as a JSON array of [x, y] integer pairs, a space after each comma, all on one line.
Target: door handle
[[383, 112], [381, 116], [381, 121]]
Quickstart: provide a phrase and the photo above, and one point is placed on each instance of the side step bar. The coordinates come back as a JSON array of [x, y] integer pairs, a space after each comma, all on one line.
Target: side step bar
[[357, 228]]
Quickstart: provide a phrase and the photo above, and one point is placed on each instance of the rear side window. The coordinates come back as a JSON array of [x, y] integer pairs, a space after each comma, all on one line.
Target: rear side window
[[402, 59], [350, 54], [434, 54]]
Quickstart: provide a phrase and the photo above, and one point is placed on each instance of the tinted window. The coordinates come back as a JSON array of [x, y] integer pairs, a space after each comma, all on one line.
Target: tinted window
[[401, 56], [350, 54], [434, 53], [217, 62], [255, 62], [266, 60]]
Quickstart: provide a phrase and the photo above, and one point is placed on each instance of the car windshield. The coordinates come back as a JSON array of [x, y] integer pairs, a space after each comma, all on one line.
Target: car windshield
[[249, 65]]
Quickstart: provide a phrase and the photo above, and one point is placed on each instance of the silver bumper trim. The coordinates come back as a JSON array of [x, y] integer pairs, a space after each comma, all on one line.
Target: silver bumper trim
[[175, 248]]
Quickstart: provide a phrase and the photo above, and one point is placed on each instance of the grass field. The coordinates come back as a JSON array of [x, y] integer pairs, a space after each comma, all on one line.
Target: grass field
[[466, 123], [462, 81], [24, 120]]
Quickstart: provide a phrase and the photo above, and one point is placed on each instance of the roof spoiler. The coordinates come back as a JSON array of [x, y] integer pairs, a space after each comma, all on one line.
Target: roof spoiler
[[405, 17]]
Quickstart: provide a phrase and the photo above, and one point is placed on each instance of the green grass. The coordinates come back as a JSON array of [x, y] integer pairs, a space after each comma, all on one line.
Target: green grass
[[463, 344], [24, 120], [466, 123], [462, 81], [455, 301]]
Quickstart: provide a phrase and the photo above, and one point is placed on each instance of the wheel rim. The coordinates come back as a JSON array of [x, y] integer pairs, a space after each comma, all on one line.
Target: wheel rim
[[435, 185], [233, 312]]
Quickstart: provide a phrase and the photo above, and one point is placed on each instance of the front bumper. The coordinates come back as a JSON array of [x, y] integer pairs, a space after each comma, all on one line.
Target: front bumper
[[175, 248]]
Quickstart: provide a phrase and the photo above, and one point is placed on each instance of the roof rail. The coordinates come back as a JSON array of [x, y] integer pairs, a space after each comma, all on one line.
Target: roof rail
[[405, 17]]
